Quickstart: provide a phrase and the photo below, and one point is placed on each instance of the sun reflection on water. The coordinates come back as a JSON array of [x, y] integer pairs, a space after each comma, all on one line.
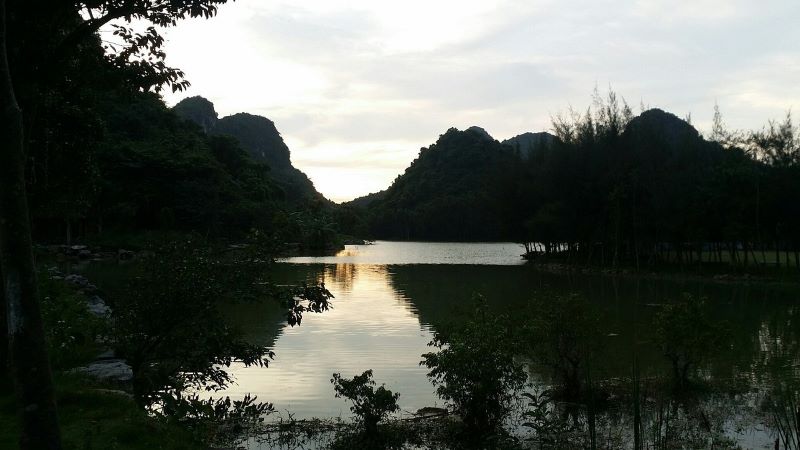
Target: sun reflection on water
[[371, 326]]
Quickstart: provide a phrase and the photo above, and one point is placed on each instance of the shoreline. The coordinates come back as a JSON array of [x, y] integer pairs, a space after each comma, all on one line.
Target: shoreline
[[667, 274]]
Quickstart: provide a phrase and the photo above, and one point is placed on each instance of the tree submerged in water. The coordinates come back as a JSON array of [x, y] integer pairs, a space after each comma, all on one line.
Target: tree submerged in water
[[371, 405], [563, 335], [475, 370], [688, 337]]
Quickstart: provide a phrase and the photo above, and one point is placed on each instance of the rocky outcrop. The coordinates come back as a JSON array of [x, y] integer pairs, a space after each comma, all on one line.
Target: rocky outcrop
[[106, 366], [114, 370]]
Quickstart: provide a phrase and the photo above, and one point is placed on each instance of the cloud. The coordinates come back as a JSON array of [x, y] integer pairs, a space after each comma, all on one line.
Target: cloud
[[365, 84]]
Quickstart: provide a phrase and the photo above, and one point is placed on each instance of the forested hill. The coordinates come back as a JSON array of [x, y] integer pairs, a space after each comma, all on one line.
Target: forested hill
[[109, 162], [450, 192], [527, 144], [259, 137], [607, 185]]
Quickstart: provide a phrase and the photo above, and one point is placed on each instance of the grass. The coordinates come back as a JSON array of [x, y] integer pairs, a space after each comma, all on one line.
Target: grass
[[133, 240], [93, 417]]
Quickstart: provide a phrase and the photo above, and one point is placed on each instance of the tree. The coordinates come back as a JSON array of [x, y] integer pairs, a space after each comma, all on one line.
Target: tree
[[44, 35], [30, 368], [562, 334], [475, 370], [688, 337], [369, 404]]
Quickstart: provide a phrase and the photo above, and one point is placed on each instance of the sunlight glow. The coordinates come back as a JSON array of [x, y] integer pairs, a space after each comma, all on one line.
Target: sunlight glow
[[338, 77]]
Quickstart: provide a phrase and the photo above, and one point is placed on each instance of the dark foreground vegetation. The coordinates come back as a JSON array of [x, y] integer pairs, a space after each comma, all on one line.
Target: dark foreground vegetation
[[92, 155], [481, 368]]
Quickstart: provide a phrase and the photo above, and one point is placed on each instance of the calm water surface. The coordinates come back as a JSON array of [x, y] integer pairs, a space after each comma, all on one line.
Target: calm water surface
[[390, 296]]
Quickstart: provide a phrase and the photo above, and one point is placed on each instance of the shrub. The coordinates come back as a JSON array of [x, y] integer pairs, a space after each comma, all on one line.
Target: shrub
[[369, 404], [73, 333], [563, 336], [688, 337], [475, 371]]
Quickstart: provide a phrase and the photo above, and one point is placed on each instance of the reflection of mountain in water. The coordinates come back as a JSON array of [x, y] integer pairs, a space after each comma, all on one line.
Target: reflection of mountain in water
[[760, 318], [382, 316]]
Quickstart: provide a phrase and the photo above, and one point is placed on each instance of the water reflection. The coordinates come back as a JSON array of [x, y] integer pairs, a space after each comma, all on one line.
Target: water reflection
[[371, 326], [383, 315], [394, 253]]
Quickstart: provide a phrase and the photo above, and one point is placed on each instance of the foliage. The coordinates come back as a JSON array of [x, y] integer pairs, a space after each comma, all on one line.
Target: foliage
[[168, 323], [688, 336], [218, 422], [73, 333], [783, 407], [259, 137], [108, 156], [305, 298], [369, 404], [475, 370], [543, 418], [562, 334], [159, 172], [93, 417]]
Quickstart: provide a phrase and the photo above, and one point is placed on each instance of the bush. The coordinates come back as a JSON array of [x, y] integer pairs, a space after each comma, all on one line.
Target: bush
[[369, 404], [475, 371], [688, 337], [563, 336], [73, 333], [219, 422]]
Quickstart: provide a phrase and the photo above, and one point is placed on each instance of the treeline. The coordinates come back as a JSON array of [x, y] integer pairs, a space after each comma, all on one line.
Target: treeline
[[609, 188], [648, 189], [106, 155]]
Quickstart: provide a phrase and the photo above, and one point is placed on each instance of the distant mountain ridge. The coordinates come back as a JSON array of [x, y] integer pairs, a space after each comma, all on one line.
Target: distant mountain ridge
[[526, 144], [259, 137], [468, 186]]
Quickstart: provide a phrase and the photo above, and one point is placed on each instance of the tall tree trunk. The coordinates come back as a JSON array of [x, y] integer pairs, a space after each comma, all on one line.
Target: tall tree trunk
[[30, 368], [744, 245], [3, 331]]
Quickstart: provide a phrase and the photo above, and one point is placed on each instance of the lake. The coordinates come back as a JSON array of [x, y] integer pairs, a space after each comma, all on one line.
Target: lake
[[391, 296]]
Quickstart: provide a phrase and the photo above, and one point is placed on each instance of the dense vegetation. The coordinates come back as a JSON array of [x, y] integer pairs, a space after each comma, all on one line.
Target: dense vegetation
[[608, 188], [91, 152], [94, 151], [105, 156], [260, 138]]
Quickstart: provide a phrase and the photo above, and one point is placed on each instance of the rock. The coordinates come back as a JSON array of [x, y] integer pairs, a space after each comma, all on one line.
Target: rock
[[84, 254], [97, 306], [108, 370], [430, 411], [77, 280], [116, 392], [124, 254], [75, 250]]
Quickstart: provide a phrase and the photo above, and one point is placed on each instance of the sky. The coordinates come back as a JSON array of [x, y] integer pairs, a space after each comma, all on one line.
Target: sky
[[357, 87]]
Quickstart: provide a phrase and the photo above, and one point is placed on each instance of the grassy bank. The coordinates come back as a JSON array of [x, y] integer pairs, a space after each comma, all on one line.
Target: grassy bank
[[97, 417]]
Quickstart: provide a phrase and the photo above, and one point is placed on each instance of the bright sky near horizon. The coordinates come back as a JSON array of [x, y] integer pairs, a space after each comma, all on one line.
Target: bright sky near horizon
[[357, 87]]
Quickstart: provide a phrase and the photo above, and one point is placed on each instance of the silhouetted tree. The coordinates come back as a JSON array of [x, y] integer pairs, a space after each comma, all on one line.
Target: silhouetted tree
[[36, 40]]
